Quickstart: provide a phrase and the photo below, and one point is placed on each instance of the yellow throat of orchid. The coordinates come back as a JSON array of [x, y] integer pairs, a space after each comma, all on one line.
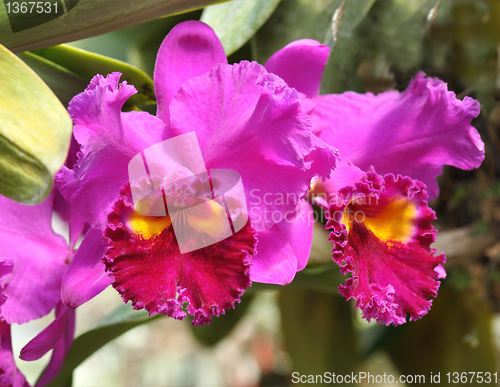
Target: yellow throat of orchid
[[209, 218], [148, 226], [391, 221]]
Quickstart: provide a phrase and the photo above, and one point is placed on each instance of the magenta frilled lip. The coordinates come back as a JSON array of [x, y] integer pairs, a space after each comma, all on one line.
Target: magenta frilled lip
[[381, 229], [144, 260]]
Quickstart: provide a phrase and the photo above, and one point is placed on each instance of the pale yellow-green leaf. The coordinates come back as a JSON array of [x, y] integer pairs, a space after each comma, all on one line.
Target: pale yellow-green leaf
[[64, 83], [87, 64], [235, 22], [35, 130]]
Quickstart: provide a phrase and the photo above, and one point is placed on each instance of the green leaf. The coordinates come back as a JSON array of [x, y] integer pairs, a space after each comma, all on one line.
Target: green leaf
[[293, 20], [220, 326], [35, 131], [121, 320], [345, 44], [87, 64], [137, 45], [318, 332], [346, 18], [333, 31], [84, 19], [324, 278], [237, 21], [457, 333], [397, 32], [61, 81]]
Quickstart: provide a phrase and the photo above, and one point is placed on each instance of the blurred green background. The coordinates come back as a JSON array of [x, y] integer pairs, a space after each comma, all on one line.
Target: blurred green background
[[307, 327]]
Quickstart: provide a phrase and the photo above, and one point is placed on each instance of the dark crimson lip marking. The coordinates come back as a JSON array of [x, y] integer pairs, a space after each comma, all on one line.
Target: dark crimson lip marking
[[390, 278], [154, 275]]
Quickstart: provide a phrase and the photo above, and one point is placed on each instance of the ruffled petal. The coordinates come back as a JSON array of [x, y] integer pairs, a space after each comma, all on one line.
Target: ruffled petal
[[300, 64], [324, 193], [39, 258], [6, 270], [86, 276], [191, 49], [284, 249], [148, 269], [249, 121], [382, 234], [109, 139], [413, 133], [322, 160], [9, 374]]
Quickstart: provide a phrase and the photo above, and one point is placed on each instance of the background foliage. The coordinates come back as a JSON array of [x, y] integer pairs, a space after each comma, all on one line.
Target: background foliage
[[376, 46]]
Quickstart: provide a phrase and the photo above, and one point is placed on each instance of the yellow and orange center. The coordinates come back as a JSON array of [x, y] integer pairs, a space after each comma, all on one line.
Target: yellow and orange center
[[392, 220], [207, 218], [147, 226]]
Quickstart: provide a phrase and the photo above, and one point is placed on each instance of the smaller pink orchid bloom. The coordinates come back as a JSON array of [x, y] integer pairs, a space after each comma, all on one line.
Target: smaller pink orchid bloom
[[380, 221]]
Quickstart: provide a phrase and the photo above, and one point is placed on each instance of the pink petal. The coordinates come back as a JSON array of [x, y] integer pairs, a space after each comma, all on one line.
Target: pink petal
[[86, 276], [76, 222], [48, 338], [153, 274], [382, 234], [275, 261], [6, 270], [324, 193], [109, 139], [413, 133], [301, 65], [323, 159], [249, 121], [284, 249], [60, 351], [39, 260], [9, 374], [298, 229], [191, 49]]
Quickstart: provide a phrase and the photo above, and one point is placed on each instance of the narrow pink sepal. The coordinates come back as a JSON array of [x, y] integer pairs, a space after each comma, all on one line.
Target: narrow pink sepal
[[48, 338], [86, 276], [191, 49], [60, 351], [301, 65]]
